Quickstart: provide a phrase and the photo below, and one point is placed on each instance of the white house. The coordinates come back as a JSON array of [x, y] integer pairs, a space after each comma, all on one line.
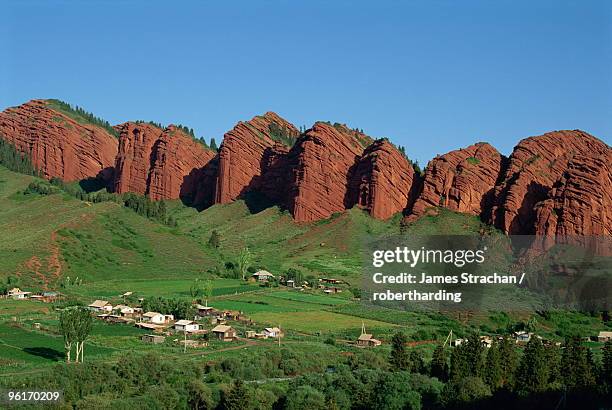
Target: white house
[[101, 306], [154, 317], [186, 326], [124, 310], [604, 336], [523, 336], [273, 332], [17, 293], [263, 276]]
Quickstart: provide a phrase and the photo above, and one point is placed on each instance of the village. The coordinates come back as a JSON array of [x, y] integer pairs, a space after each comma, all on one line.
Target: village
[[224, 325]]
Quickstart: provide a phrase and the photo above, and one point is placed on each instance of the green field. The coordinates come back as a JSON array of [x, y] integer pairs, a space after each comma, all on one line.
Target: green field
[[100, 251]]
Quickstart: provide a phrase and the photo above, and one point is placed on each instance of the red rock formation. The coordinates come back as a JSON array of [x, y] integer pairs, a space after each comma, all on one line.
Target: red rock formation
[[133, 161], [381, 180], [58, 145], [581, 201], [243, 151], [174, 156], [160, 163], [536, 166], [322, 160], [461, 180]]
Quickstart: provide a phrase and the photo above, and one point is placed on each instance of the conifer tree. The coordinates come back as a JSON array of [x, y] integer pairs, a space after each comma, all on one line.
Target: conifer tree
[[532, 373], [606, 371], [399, 358], [508, 361], [213, 144], [439, 364], [237, 398], [577, 365], [474, 355], [492, 370]]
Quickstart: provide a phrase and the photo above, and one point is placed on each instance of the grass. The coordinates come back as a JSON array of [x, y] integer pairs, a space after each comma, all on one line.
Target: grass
[[313, 322], [113, 250], [23, 346]]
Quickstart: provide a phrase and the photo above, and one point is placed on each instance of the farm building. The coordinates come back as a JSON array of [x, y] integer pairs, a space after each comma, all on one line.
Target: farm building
[[457, 342], [150, 326], [273, 332], [331, 280], [522, 336], [366, 339], [263, 276], [17, 293], [290, 283], [186, 326], [205, 310], [251, 334], [486, 341], [332, 290], [157, 318], [101, 306], [224, 332], [604, 336], [124, 310], [112, 318], [155, 339], [231, 314]]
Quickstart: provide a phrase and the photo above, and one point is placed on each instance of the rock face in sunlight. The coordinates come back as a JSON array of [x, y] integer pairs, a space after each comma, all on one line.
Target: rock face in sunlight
[[159, 163], [58, 145], [559, 183], [381, 180], [246, 153], [462, 180], [322, 161]]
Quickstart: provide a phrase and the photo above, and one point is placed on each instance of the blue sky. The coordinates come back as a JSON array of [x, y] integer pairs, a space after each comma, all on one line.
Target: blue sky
[[430, 75]]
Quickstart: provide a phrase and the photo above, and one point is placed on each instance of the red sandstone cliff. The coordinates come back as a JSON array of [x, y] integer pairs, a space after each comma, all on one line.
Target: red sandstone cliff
[[581, 200], [559, 183], [461, 180], [381, 181], [58, 145], [540, 169], [133, 161], [322, 161], [246, 151], [158, 162]]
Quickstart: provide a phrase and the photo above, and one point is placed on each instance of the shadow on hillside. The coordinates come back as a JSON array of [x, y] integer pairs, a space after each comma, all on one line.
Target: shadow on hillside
[[101, 181], [257, 202], [45, 352]]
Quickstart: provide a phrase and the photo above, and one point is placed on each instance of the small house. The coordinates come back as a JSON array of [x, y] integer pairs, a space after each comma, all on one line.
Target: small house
[[17, 293], [457, 342], [522, 336], [366, 339], [154, 317], [205, 310], [486, 341], [224, 332], [604, 336], [331, 280], [231, 314], [155, 339], [101, 306], [188, 326], [290, 283], [273, 332], [263, 276], [124, 310]]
